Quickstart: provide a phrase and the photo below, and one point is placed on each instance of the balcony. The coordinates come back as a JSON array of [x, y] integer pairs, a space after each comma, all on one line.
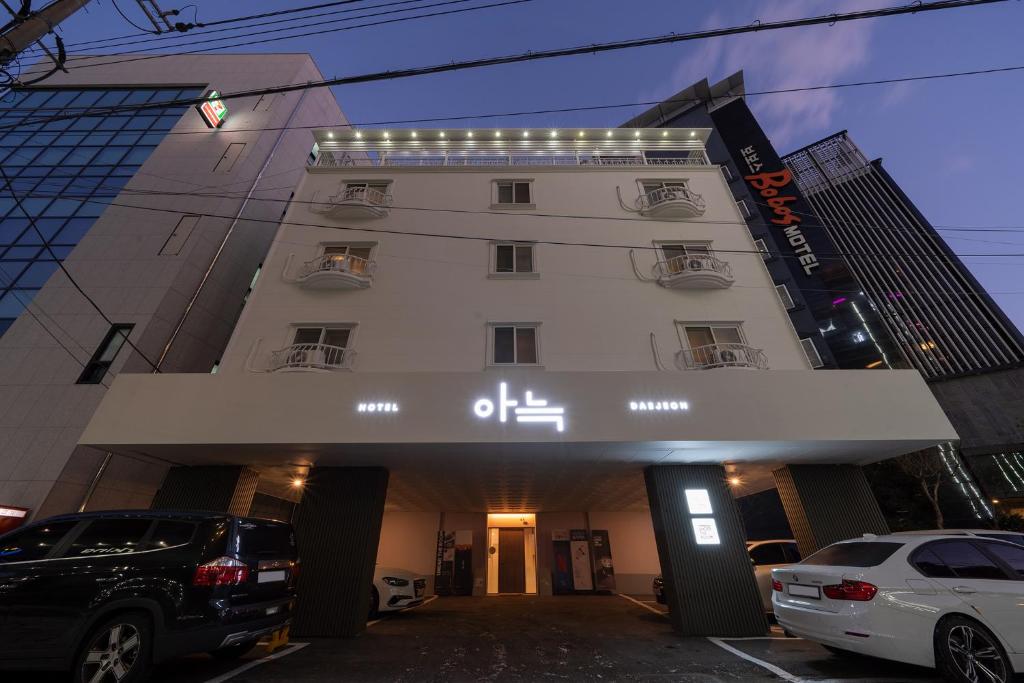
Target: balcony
[[354, 202], [694, 271], [671, 202], [311, 357], [721, 356], [336, 271]]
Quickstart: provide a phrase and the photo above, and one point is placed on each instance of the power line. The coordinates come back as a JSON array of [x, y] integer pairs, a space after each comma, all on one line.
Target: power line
[[594, 48], [60, 264], [125, 17]]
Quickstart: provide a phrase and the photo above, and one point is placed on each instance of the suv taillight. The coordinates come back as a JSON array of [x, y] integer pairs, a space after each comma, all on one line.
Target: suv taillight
[[224, 571], [776, 585], [858, 591]]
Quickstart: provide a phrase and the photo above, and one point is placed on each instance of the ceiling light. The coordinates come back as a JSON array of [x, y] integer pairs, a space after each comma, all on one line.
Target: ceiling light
[[735, 481], [297, 483]]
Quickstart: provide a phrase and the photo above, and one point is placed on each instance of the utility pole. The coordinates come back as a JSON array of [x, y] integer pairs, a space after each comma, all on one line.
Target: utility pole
[[28, 27]]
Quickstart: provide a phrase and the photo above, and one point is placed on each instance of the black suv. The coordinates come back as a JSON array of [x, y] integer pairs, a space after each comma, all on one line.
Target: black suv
[[107, 594]]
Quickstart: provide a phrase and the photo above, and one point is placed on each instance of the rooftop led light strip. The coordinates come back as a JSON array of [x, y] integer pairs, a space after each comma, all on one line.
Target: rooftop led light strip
[[213, 110]]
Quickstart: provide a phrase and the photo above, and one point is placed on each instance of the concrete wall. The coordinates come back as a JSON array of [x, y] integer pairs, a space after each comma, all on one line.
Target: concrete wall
[[987, 410], [634, 551], [42, 410], [431, 299], [408, 540]]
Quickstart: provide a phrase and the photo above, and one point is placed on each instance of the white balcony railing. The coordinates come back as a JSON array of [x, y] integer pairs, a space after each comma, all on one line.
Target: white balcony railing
[[312, 357], [363, 195], [569, 158], [340, 264], [671, 201], [721, 356], [692, 264], [353, 202]]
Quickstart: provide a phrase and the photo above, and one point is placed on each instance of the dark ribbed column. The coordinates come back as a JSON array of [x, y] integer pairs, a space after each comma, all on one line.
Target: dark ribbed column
[[225, 488], [711, 589], [337, 526], [828, 503]]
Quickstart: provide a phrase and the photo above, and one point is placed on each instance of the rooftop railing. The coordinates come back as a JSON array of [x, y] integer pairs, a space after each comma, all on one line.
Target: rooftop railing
[[327, 159]]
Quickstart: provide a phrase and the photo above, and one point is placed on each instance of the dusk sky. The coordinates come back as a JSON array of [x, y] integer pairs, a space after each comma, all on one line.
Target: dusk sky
[[955, 145]]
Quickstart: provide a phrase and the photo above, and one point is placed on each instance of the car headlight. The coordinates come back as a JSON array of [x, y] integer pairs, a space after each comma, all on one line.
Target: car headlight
[[394, 581]]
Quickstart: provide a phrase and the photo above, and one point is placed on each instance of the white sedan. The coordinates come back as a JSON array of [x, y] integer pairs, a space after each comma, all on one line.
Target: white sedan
[[955, 603], [394, 589]]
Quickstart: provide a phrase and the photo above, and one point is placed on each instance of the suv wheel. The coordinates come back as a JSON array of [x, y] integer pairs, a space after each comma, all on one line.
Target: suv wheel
[[117, 651], [967, 652]]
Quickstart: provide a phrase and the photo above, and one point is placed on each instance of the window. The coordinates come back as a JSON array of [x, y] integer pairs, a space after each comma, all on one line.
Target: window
[[744, 208], [674, 253], [109, 537], [763, 248], [792, 552], [698, 336], [727, 173], [514, 345], [1011, 555], [514, 258], [266, 539], [1012, 538], [176, 240], [768, 553], [649, 186], [101, 361], [33, 543], [328, 336], [349, 258], [169, 533], [966, 561], [929, 564], [811, 351], [854, 554], [514, 192], [230, 156], [785, 297]]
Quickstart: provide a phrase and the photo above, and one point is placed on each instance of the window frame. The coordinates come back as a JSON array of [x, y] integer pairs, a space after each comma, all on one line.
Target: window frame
[[495, 194], [684, 340], [535, 326], [745, 211], [762, 248], [95, 363], [324, 327], [492, 266]]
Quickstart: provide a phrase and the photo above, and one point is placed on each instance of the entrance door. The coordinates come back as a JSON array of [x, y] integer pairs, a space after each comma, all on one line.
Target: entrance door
[[511, 561]]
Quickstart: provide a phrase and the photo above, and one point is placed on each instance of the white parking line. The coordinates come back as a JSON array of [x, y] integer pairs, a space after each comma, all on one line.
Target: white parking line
[[645, 606], [293, 647], [784, 675]]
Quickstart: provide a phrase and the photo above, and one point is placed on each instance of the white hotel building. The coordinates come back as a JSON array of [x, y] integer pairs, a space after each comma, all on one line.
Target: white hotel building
[[574, 326]]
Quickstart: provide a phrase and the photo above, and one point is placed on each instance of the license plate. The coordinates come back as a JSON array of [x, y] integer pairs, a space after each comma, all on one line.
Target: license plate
[[805, 591], [270, 577]]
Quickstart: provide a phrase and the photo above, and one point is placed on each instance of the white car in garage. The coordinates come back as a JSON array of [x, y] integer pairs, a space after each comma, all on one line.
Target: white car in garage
[[395, 589], [952, 602]]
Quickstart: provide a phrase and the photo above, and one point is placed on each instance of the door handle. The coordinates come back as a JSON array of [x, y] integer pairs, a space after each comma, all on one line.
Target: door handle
[[963, 590]]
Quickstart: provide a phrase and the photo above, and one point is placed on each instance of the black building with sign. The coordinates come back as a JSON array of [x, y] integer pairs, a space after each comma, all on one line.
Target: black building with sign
[[837, 324]]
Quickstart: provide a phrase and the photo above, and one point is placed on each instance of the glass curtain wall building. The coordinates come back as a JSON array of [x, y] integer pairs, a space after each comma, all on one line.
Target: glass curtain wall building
[[65, 173]]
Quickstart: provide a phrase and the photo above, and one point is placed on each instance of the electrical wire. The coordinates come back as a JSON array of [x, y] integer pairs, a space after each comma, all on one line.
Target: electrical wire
[[125, 17], [60, 264], [595, 48]]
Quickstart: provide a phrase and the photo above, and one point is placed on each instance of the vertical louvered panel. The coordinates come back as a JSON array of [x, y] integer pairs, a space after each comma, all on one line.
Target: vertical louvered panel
[[710, 588], [337, 526], [215, 488], [828, 503]]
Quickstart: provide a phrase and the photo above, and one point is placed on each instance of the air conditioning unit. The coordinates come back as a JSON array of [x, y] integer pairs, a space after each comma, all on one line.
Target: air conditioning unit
[[725, 357], [695, 264], [306, 358]]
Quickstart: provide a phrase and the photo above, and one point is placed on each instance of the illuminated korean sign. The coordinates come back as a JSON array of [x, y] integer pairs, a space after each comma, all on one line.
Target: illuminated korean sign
[[377, 407], [213, 110], [705, 531], [533, 410], [698, 501]]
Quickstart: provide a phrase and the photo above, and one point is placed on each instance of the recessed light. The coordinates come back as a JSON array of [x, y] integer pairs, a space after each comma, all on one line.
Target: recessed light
[[693, 133], [554, 133], [297, 483], [664, 133], [386, 135], [441, 134], [581, 133], [359, 136], [636, 134], [526, 133], [497, 133], [330, 135], [469, 134], [609, 133], [412, 134]]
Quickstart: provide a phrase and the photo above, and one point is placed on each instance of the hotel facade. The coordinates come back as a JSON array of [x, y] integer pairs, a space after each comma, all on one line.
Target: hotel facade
[[521, 361]]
